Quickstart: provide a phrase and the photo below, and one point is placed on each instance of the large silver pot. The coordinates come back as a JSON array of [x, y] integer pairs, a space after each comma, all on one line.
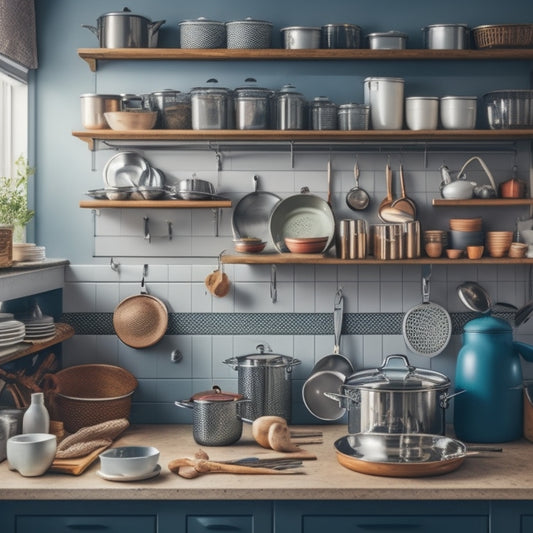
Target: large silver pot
[[265, 379], [123, 29], [395, 398]]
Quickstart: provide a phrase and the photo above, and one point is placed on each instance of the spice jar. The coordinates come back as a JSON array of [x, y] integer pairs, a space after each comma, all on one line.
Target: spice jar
[[435, 242], [323, 114]]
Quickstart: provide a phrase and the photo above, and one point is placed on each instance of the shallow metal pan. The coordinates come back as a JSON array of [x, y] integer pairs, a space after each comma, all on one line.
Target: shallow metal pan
[[403, 455]]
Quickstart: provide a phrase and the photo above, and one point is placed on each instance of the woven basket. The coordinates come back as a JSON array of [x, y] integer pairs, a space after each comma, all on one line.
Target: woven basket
[[503, 36], [86, 395], [6, 246]]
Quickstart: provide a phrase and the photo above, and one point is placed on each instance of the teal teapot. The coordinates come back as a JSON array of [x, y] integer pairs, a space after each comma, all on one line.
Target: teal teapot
[[489, 379]]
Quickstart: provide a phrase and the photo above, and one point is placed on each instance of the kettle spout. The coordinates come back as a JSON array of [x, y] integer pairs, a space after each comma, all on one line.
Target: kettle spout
[[525, 350]]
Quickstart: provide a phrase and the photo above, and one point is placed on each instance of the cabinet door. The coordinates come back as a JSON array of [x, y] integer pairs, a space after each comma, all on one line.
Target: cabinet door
[[213, 523], [86, 524]]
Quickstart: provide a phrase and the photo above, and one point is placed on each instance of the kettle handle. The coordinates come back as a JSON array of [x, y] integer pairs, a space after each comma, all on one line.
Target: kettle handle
[[525, 350]]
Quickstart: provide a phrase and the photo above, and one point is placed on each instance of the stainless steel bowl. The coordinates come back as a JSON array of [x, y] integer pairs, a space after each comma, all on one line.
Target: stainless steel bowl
[[301, 37]]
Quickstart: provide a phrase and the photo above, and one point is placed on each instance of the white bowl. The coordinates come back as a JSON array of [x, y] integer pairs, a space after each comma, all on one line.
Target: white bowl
[[31, 453], [129, 461]]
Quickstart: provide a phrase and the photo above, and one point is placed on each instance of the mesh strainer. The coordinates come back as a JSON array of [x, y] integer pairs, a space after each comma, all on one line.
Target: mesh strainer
[[427, 327]]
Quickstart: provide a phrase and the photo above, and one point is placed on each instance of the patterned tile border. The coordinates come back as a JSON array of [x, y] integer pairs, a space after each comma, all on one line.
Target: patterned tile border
[[265, 323]]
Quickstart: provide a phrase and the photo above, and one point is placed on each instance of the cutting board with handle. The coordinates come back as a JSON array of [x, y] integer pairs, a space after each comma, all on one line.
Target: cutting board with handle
[[76, 465]]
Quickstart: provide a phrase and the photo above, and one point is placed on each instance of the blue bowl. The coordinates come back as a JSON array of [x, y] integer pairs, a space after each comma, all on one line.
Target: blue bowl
[[459, 240]]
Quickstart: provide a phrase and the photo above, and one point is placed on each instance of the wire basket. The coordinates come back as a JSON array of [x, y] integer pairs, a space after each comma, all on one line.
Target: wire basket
[[86, 395], [6, 246], [503, 36]]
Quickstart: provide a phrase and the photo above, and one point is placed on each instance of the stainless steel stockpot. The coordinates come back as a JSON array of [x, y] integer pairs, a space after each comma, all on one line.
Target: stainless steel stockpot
[[301, 37], [390, 40], [124, 29], [446, 36], [265, 379], [216, 419], [395, 398], [93, 107]]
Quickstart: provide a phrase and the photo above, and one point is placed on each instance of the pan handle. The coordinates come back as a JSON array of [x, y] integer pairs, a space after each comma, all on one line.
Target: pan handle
[[185, 404], [337, 320]]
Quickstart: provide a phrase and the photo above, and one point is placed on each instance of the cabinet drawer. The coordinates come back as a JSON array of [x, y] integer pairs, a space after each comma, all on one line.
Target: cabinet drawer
[[221, 523], [394, 523], [85, 524]]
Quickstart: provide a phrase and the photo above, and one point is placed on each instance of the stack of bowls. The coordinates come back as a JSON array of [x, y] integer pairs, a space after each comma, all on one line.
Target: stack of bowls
[[499, 242], [466, 232]]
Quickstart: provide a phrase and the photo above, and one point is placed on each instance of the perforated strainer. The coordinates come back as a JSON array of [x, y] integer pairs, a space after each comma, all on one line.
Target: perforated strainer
[[427, 327]]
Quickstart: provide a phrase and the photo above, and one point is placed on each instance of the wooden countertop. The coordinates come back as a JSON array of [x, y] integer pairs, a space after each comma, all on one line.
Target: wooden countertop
[[490, 476]]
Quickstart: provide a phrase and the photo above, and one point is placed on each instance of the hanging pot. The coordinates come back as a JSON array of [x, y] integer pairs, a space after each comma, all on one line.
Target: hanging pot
[[395, 398], [140, 320], [123, 29], [216, 417]]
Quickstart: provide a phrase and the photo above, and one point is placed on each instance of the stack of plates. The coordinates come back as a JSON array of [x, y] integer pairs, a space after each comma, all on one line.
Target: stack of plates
[[38, 328], [11, 332], [28, 252]]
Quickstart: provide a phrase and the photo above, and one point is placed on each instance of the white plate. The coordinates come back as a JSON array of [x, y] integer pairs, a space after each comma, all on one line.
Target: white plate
[[9, 325], [155, 472], [126, 169], [11, 334], [14, 340]]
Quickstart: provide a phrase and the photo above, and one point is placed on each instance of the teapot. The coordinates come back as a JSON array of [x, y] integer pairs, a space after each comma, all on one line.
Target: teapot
[[489, 374], [462, 189]]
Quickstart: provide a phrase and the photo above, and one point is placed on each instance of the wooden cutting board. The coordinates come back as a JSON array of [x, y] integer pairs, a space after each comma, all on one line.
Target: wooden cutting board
[[76, 465]]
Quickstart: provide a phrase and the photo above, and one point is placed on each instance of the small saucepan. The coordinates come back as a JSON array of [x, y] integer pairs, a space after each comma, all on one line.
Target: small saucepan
[[357, 198]]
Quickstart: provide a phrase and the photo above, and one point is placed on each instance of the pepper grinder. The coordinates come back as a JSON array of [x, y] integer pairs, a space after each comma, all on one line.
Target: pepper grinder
[[36, 418]]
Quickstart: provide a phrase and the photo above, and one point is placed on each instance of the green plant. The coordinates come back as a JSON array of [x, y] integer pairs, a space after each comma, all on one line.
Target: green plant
[[13, 195]]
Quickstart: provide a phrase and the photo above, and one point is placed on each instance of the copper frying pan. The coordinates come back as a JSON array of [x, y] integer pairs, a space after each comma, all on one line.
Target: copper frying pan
[[140, 320], [403, 455]]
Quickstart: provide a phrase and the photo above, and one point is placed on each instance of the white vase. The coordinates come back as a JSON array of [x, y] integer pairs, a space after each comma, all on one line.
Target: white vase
[[36, 418]]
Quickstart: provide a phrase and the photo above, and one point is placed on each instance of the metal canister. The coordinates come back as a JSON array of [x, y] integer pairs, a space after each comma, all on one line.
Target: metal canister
[[265, 379], [323, 114], [174, 109], [249, 33], [253, 107], [93, 107], [353, 116], [385, 97], [211, 107], [290, 109]]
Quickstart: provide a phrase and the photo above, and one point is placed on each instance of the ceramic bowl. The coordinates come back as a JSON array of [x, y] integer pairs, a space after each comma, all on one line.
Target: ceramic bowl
[[306, 245], [249, 245], [129, 461], [131, 120], [475, 252], [31, 453], [454, 254]]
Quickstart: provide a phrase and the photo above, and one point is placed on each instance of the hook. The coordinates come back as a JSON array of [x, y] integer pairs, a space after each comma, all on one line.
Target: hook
[[292, 154], [147, 235], [218, 157], [169, 224], [115, 267], [273, 284], [145, 270]]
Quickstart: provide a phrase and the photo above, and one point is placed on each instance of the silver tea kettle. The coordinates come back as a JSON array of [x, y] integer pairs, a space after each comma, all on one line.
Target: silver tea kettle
[[459, 188]]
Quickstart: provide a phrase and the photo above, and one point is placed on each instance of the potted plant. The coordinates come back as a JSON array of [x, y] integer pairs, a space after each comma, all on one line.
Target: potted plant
[[14, 212]]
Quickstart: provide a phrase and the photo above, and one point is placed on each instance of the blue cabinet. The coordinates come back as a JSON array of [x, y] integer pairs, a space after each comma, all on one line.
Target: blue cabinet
[[66, 523]]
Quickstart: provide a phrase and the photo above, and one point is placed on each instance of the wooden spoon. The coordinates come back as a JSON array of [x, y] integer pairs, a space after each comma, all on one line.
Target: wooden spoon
[[204, 466]]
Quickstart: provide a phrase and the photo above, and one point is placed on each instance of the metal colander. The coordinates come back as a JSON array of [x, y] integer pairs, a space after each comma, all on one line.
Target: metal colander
[[427, 327]]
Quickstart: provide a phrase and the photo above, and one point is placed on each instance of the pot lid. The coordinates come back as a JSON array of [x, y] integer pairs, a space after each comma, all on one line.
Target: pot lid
[[250, 20], [391, 33], [211, 89], [252, 90], [262, 359], [201, 20], [319, 101], [353, 105], [458, 97], [216, 395], [396, 373], [341, 25], [126, 12], [487, 324]]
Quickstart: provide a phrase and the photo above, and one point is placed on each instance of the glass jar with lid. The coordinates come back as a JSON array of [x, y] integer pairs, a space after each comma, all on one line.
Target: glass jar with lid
[[173, 107]]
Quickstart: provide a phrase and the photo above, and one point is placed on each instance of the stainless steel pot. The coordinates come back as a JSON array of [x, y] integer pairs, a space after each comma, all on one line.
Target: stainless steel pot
[[446, 36], [216, 417], [301, 37], [123, 29], [291, 109], [264, 378], [385, 98], [395, 398], [390, 40], [211, 107], [253, 107], [249, 33], [93, 107]]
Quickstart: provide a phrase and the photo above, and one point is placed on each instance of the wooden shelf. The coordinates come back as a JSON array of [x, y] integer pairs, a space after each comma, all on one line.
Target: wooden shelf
[[63, 332], [93, 55], [472, 202], [277, 136], [159, 204], [319, 259]]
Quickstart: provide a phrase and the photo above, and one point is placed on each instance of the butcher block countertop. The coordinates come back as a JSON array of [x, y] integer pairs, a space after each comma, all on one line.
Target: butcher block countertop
[[490, 476]]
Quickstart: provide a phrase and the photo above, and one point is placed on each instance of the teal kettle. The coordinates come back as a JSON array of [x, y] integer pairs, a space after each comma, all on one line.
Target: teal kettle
[[488, 376]]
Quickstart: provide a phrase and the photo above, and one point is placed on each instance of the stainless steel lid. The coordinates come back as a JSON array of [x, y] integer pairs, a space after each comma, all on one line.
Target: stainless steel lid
[[250, 20], [397, 374], [388, 34], [290, 28], [201, 21]]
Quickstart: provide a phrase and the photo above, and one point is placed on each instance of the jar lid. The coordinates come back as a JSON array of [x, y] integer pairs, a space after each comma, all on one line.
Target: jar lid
[[393, 80], [458, 97], [396, 373], [289, 89], [92, 95], [290, 28], [341, 25], [391, 33], [201, 20], [446, 26], [164, 92], [252, 91], [215, 395], [213, 89], [250, 20], [422, 98]]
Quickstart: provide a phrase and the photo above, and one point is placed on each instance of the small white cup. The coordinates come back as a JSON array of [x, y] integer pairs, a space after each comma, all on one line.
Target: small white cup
[[31, 453], [422, 112]]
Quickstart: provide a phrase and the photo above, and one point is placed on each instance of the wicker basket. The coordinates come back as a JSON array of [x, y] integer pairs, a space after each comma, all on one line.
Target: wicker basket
[[503, 36], [86, 395], [6, 246]]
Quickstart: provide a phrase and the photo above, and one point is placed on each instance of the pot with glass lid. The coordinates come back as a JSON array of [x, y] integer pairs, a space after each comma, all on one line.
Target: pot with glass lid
[[395, 398]]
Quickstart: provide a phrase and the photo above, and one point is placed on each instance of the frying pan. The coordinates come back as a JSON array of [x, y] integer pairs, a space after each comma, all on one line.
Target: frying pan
[[403, 455], [140, 320], [427, 327]]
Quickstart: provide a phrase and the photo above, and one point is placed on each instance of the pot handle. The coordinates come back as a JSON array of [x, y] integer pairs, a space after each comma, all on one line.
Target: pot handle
[[343, 400], [154, 26], [445, 397], [232, 361], [91, 28], [483, 165], [185, 404]]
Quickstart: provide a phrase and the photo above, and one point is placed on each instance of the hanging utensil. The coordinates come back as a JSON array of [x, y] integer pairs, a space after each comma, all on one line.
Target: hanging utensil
[[329, 180], [404, 203], [477, 299], [427, 327], [357, 199], [387, 201], [217, 282]]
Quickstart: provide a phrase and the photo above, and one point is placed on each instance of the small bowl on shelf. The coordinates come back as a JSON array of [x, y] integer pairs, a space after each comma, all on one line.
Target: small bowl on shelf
[[131, 120], [306, 245], [249, 245], [475, 252], [452, 253], [517, 250]]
